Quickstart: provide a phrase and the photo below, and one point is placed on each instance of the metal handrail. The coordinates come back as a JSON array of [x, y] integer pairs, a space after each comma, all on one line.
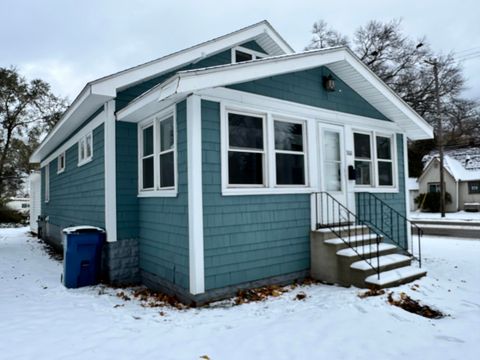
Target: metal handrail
[[336, 216], [385, 224]]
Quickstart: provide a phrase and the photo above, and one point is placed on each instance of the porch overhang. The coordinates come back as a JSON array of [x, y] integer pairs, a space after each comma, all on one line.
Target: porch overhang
[[340, 60]]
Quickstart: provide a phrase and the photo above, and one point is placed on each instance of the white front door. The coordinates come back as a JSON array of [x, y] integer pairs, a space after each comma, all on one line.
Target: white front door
[[332, 175]]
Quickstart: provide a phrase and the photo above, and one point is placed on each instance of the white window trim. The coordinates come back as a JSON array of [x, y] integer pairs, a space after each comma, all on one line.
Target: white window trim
[[155, 120], [61, 169], [255, 54], [263, 151], [270, 186], [304, 152], [47, 183], [82, 142], [375, 186]]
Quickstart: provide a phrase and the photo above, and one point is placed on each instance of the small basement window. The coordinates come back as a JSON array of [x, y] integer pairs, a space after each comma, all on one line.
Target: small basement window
[[61, 163]]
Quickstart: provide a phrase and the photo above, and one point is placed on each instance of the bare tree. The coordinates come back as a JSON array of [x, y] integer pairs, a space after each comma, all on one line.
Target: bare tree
[[27, 111], [323, 37]]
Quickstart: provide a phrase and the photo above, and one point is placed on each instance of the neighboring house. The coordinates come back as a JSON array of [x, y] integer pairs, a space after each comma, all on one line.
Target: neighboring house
[[201, 165], [21, 204], [462, 177], [413, 192]]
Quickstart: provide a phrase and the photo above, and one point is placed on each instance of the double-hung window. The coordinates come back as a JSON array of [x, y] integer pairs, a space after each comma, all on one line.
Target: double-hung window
[[246, 149], [374, 160], [474, 187], [157, 155], [85, 149], [289, 153], [47, 183]]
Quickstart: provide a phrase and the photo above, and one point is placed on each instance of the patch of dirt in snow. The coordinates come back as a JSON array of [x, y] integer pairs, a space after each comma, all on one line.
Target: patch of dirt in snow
[[414, 306]]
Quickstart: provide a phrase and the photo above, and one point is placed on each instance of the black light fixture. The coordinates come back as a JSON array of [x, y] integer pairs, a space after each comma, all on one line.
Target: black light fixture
[[329, 83]]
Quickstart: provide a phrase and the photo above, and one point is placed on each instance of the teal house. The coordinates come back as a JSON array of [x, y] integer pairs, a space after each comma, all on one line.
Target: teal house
[[237, 163]]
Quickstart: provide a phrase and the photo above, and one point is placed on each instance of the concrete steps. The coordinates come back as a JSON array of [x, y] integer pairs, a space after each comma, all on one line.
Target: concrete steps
[[352, 259]]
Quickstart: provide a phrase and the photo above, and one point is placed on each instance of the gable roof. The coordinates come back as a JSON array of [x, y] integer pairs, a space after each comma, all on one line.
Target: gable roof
[[455, 168], [97, 92], [341, 60]]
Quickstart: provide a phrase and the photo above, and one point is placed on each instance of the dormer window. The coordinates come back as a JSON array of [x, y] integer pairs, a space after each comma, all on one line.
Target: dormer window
[[241, 54]]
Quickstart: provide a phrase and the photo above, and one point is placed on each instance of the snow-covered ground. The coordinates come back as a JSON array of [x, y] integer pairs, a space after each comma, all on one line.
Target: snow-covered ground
[[455, 216], [40, 319]]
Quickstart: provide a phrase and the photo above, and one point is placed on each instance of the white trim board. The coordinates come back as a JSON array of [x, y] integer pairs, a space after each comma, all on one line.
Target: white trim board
[[92, 125], [195, 195], [110, 172]]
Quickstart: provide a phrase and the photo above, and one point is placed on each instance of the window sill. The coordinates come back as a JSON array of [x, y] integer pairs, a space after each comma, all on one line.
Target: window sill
[[83, 162], [60, 171], [266, 191], [376, 189], [158, 193]]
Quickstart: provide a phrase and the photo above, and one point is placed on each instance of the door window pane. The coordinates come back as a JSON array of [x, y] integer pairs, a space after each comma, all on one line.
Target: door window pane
[[332, 176], [245, 131], [331, 145], [363, 172], [384, 150], [362, 146], [147, 166], [166, 134], [245, 168], [290, 169], [167, 170], [385, 177], [288, 136]]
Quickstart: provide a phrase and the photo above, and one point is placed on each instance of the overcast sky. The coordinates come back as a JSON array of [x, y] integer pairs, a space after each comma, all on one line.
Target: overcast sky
[[69, 43]]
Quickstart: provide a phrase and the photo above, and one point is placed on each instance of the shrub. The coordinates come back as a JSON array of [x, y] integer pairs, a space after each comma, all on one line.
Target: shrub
[[432, 201], [11, 216]]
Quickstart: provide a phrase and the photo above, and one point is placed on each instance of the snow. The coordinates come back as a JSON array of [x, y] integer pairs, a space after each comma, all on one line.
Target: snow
[[455, 216], [412, 183], [40, 319], [384, 260], [391, 276]]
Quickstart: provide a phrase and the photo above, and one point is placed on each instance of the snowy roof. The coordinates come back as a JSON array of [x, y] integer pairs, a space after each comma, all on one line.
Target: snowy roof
[[463, 164], [412, 183]]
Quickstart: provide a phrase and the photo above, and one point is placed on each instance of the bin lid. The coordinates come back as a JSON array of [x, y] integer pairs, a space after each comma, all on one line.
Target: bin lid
[[82, 228]]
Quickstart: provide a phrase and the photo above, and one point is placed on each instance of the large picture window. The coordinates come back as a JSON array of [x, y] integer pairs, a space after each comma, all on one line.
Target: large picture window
[[157, 155], [289, 153], [374, 160], [246, 149]]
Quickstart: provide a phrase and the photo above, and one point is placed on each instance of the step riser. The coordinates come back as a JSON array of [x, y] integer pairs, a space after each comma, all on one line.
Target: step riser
[[405, 280], [343, 233], [358, 276], [351, 259]]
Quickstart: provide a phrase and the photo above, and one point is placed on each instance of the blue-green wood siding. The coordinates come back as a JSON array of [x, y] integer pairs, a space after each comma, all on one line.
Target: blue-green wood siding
[[305, 87], [163, 221], [253, 45], [247, 238], [396, 200], [77, 195], [224, 57], [127, 180]]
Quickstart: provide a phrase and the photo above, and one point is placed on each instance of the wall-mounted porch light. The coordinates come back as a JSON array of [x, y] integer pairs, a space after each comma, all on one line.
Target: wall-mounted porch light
[[329, 83]]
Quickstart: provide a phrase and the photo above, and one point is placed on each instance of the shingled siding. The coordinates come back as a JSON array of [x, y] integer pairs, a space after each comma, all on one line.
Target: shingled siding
[[163, 222], [127, 180], [224, 57], [396, 200], [247, 238], [306, 87], [77, 195]]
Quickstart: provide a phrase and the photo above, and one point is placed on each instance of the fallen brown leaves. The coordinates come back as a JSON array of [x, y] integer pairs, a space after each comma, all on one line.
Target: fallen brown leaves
[[371, 292], [259, 294], [407, 303]]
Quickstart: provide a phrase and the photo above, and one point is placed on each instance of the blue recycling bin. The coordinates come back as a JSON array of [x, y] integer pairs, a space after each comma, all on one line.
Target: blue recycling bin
[[82, 250]]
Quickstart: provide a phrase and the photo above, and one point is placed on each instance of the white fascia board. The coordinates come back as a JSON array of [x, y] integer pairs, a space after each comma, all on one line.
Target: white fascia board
[[108, 85], [389, 94]]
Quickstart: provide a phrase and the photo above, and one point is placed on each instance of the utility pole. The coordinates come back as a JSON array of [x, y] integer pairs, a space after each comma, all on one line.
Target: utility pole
[[434, 63]]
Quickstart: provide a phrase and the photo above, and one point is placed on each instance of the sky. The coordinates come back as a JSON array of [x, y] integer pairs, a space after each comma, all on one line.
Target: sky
[[68, 43]]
